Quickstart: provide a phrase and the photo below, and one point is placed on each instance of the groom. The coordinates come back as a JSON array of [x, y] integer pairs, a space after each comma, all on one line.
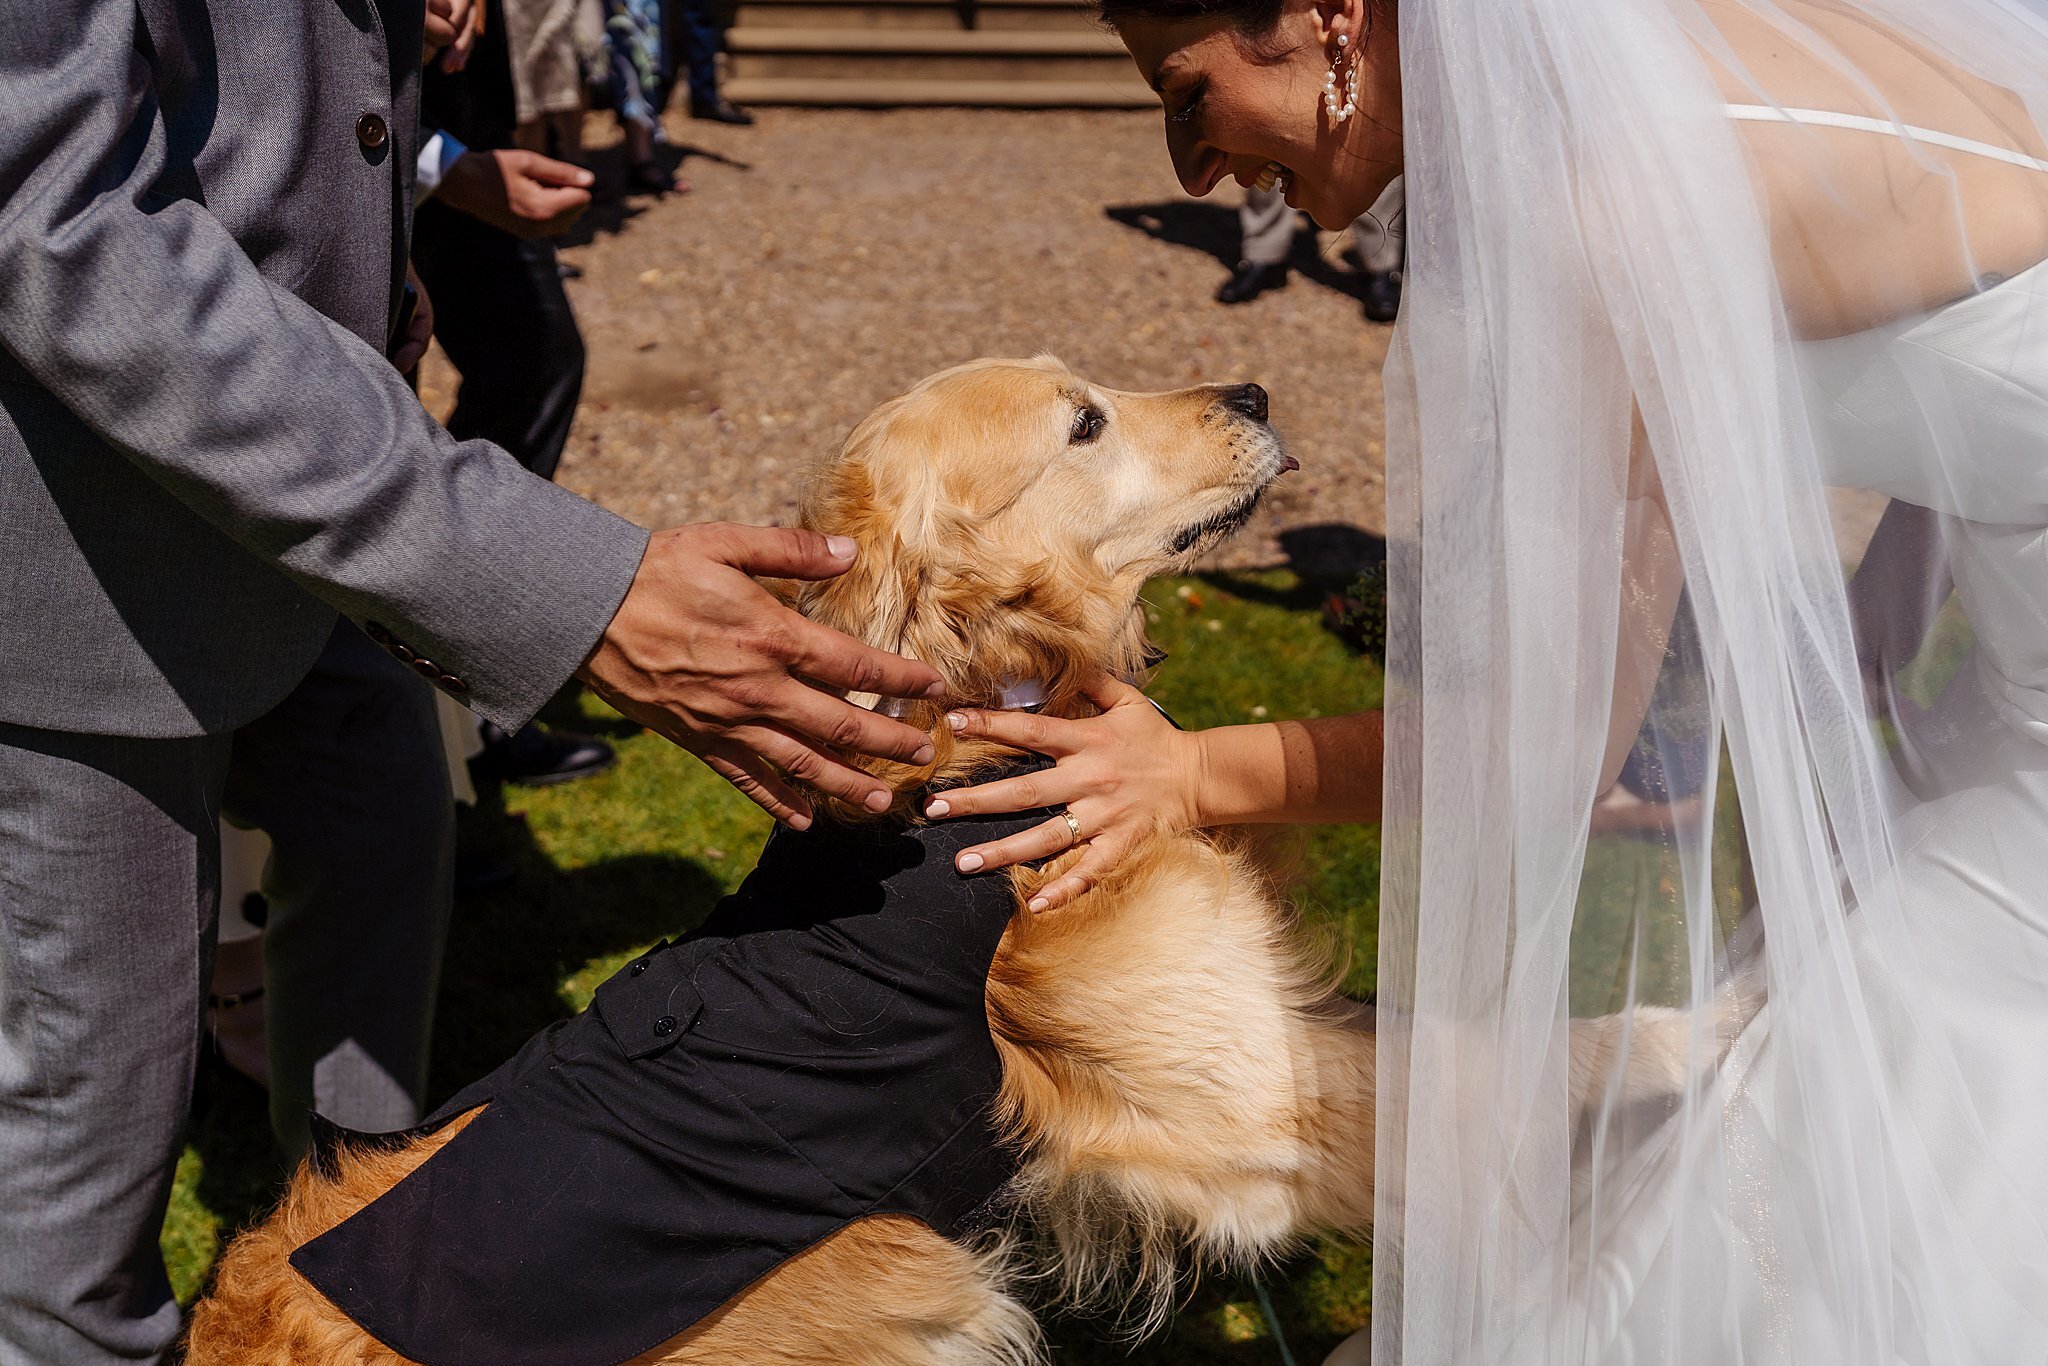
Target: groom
[[210, 478]]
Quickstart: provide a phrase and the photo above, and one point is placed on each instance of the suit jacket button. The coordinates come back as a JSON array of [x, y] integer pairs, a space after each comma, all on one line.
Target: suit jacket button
[[426, 668], [452, 684], [403, 652], [370, 131], [376, 633], [665, 1026]]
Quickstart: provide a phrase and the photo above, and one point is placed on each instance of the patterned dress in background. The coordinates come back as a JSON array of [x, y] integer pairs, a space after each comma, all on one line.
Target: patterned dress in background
[[632, 39]]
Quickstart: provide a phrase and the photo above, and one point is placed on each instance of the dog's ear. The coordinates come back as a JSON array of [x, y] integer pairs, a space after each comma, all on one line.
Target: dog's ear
[[871, 601]]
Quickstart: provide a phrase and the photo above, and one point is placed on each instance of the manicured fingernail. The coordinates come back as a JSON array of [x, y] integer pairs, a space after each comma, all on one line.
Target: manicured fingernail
[[923, 755], [955, 722], [798, 822], [969, 863], [840, 546], [876, 801], [1038, 903], [937, 806], [584, 177], [936, 690]]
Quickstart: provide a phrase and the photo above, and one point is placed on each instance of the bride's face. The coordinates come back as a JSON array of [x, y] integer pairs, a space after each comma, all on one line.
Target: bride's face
[[1236, 104]]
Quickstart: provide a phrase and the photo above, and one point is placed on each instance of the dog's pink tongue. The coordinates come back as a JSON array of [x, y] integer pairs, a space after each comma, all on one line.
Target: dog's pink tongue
[[1288, 462]]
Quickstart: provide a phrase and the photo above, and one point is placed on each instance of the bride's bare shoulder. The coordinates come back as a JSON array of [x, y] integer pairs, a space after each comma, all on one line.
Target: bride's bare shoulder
[[1865, 226]]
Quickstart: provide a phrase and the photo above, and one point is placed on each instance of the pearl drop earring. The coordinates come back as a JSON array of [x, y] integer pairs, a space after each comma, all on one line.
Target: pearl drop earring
[[1341, 109]]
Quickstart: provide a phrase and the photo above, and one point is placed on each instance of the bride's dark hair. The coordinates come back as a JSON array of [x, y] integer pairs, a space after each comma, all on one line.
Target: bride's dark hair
[[1249, 17]]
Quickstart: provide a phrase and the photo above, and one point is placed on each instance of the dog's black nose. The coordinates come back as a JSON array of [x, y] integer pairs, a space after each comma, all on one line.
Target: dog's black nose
[[1248, 399]]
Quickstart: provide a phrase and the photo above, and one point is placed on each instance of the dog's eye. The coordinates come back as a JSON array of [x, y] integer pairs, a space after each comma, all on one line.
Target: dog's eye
[[1088, 424]]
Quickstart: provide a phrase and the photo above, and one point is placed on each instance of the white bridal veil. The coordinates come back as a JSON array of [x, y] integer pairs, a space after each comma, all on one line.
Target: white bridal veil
[[1714, 962]]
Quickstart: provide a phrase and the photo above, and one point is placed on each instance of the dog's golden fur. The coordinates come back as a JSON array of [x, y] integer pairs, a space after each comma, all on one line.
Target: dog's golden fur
[[1180, 1078]]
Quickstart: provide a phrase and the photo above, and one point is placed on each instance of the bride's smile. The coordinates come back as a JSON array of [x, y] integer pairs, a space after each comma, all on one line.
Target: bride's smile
[[1310, 104]]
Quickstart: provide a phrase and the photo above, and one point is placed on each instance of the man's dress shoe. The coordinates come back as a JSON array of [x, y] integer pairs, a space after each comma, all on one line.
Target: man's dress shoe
[[1250, 280], [721, 110], [534, 757], [1382, 295]]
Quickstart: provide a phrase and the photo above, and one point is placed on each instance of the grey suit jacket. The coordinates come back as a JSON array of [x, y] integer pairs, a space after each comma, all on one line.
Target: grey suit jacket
[[203, 452]]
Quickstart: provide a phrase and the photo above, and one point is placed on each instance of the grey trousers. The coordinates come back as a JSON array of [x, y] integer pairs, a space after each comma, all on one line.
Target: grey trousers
[[1381, 234], [1267, 228], [109, 882], [1267, 225]]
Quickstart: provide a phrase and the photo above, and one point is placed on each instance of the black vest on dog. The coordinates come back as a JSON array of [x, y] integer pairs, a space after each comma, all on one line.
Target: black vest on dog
[[817, 1052]]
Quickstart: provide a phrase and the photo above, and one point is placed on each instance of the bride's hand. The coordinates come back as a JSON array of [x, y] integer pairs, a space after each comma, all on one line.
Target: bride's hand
[[1124, 775]]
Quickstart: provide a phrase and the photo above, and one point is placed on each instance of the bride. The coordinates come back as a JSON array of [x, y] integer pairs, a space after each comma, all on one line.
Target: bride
[[1697, 289]]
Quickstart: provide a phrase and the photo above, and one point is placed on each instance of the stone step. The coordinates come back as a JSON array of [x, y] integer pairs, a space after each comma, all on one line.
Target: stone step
[[745, 39], [825, 14], [1125, 92], [957, 15], [926, 54]]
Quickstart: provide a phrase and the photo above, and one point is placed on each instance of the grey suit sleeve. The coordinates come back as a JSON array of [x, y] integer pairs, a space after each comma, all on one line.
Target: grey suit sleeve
[[140, 312]]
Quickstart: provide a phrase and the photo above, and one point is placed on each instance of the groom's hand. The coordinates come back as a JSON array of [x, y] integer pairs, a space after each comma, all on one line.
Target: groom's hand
[[704, 655]]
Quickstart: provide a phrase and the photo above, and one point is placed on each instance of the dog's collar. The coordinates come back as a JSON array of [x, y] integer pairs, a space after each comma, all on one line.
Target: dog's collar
[[1027, 694], [1023, 695]]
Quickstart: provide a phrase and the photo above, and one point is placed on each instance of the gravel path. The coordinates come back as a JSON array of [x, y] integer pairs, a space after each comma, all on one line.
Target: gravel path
[[828, 259]]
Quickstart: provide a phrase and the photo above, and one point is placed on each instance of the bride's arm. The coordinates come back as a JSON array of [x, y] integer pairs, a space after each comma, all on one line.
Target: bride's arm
[[1129, 774]]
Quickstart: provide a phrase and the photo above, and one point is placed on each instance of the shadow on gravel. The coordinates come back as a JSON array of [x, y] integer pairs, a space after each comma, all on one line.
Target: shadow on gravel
[[1212, 229], [1332, 550], [612, 206]]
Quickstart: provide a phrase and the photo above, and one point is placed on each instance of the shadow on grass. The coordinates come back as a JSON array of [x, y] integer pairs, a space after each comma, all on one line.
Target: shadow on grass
[[241, 1173], [566, 711], [510, 948], [509, 951], [1212, 229]]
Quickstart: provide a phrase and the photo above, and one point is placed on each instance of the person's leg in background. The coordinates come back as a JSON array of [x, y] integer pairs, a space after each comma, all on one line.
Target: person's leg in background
[[349, 778], [1380, 238], [632, 36], [503, 317], [234, 1009], [1267, 226], [109, 878], [694, 36]]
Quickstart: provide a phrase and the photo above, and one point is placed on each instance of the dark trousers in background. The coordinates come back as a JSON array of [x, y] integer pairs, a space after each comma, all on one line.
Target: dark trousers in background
[[109, 888], [501, 314], [694, 38]]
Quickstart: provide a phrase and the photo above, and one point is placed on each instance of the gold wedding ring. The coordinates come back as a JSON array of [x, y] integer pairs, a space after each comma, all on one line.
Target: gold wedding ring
[[1073, 825]]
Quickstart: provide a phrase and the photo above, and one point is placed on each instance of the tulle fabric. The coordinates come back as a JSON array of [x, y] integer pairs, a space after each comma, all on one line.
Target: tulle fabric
[[1721, 1038]]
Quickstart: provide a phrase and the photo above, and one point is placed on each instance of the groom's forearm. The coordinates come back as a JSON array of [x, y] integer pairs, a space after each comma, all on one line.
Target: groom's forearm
[[1320, 771]]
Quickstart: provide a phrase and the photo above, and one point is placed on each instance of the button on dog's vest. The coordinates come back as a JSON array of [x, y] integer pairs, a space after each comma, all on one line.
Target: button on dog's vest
[[652, 1002]]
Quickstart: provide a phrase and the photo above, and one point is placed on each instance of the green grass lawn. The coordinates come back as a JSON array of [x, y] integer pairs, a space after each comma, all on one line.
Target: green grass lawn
[[609, 865]]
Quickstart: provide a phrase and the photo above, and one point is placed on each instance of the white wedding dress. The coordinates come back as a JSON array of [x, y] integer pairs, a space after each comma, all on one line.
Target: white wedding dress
[[1960, 1031], [1823, 1135]]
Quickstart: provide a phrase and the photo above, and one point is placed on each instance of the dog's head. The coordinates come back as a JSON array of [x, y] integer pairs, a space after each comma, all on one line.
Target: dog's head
[[1008, 512]]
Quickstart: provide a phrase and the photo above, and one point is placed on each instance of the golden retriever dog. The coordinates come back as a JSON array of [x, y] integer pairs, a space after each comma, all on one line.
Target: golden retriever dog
[[1180, 1084]]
